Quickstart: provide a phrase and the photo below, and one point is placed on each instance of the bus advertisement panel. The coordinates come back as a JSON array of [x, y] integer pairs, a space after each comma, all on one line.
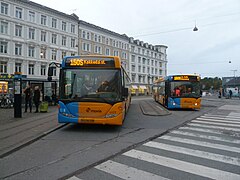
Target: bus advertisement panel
[[178, 91], [93, 90]]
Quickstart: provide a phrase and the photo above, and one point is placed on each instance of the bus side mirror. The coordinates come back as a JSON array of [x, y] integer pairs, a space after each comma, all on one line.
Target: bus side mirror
[[125, 92], [50, 71]]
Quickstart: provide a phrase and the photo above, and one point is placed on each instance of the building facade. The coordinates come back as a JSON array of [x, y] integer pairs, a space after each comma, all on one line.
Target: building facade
[[32, 36], [147, 63], [99, 41], [143, 62]]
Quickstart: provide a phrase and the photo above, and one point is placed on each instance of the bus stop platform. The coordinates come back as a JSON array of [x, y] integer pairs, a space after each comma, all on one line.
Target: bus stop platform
[[152, 108]]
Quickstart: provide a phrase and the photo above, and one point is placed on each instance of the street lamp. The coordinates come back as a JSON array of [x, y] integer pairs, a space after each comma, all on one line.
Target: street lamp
[[195, 28]]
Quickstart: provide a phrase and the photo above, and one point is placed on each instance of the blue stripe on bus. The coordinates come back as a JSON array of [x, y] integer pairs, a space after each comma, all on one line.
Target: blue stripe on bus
[[174, 103], [66, 116]]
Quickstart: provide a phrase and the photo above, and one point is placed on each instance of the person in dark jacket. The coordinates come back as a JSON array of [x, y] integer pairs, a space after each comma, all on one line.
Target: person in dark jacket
[[36, 98], [28, 98]]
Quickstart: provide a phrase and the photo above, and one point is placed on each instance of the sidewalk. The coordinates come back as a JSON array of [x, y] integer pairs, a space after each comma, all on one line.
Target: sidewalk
[[18, 132]]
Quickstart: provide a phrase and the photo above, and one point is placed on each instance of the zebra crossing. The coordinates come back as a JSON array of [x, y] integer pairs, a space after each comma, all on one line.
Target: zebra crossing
[[206, 148]]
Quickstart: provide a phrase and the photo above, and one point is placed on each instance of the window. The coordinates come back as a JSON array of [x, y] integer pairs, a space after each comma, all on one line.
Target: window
[[107, 51], [43, 70], [160, 72], [72, 28], [133, 59], [18, 13], [64, 41], [4, 27], [54, 38], [43, 36], [115, 53], [64, 26], [133, 68], [86, 47], [31, 69], [54, 54], [54, 23], [88, 35], [4, 8], [124, 55], [18, 67], [84, 35], [18, 31], [3, 67], [43, 53], [99, 39], [31, 34], [64, 53], [139, 60], [43, 20], [143, 69], [95, 38], [31, 16], [107, 41], [31, 51], [72, 43], [18, 49], [139, 68], [98, 49], [3, 47], [160, 64]]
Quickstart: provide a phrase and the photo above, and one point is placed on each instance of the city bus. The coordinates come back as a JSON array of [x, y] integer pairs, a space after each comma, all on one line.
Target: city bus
[[178, 91], [93, 90]]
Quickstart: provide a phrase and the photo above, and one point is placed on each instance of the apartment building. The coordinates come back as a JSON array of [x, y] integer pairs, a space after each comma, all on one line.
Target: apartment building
[[32, 36], [147, 63], [143, 62], [97, 40]]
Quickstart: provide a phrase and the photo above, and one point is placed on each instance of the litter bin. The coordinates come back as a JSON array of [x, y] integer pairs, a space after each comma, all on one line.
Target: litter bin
[[44, 106]]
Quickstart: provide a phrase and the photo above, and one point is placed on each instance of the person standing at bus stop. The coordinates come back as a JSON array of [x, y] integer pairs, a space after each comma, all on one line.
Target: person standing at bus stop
[[36, 98], [28, 98]]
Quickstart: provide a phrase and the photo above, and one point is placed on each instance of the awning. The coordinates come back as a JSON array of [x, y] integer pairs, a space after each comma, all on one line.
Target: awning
[[142, 87], [134, 87]]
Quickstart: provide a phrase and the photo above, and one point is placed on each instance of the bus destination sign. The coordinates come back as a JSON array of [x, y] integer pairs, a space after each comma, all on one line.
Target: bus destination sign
[[180, 78], [185, 78], [82, 62]]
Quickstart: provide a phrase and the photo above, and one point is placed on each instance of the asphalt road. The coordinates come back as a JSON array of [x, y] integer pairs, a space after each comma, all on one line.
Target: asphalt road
[[81, 151]]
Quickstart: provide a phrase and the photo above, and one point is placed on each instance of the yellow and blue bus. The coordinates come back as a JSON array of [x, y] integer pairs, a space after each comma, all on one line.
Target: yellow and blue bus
[[93, 90], [178, 91]]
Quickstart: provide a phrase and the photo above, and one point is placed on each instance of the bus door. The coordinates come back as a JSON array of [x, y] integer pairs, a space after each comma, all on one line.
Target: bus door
[[167, 92]]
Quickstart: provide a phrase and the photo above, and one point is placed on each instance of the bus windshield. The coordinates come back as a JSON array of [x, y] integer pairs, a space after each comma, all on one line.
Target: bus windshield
[[185, 89], [91, 85]]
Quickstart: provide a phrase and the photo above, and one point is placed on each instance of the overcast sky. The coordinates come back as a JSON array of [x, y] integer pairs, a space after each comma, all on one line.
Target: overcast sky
[[170, 22]]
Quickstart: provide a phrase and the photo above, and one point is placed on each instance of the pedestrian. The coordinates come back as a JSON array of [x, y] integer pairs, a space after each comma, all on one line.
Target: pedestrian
[[230, 93], [36, 98], [28, 98], [219, 94], [54, 98]]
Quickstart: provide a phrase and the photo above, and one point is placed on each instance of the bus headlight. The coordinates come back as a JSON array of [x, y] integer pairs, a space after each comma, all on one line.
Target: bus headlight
[[110, 115], [196, 104], [174, 103], [64, 112], [68, 115]]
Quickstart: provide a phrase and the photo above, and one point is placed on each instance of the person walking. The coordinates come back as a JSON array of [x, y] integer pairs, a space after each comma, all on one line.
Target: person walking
[[36, 98], [230, 93], [28, 98]]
